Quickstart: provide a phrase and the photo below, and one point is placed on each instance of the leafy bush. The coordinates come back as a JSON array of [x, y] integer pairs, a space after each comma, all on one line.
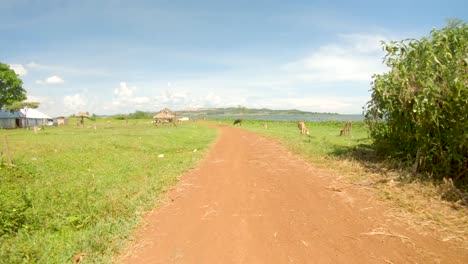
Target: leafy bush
[[419, 109]]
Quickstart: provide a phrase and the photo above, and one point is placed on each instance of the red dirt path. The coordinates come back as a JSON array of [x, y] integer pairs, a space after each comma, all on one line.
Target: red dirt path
[[251, 201]]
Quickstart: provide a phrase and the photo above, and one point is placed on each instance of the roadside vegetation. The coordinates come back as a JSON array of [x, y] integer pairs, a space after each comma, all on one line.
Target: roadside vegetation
[[75, 190], [352, 162], [418, 113]]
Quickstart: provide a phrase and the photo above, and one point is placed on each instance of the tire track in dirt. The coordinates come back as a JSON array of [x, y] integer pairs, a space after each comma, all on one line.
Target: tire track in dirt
[[252, 201]]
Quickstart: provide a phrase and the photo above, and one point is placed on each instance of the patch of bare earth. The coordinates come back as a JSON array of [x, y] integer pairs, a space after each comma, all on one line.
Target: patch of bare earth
[[252, 201]]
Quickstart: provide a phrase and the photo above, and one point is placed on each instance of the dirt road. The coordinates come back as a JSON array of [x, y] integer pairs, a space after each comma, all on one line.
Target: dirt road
[[251, 201]]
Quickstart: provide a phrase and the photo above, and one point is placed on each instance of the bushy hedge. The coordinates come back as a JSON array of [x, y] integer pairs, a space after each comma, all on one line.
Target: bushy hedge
[[419, 109]]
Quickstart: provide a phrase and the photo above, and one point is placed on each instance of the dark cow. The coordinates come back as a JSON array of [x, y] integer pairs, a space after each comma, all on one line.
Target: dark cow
[[238, 122]]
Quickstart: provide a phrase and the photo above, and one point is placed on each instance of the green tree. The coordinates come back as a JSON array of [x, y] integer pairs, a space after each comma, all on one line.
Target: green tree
[[419, 109], [16, 106], [11, 87]]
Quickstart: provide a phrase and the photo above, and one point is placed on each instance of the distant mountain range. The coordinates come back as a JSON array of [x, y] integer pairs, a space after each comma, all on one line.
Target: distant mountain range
[[265, 114], [237, 111], [248, 113]]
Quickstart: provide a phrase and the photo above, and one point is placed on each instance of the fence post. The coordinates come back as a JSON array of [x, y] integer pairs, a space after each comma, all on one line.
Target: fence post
[[7, 151]]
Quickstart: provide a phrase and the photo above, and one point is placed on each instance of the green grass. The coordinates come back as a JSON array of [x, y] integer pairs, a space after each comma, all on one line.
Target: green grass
[[324, 140], [351, 155], [82, 190]]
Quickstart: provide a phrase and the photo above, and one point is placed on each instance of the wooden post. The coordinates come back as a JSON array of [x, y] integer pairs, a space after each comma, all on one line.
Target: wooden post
[[7, 151]]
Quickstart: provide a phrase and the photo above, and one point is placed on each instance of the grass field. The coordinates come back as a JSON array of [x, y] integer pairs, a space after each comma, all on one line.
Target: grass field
[[324, 139], [83, 189]]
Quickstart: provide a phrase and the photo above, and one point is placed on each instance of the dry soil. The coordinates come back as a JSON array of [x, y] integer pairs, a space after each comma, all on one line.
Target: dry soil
[[252, 201]]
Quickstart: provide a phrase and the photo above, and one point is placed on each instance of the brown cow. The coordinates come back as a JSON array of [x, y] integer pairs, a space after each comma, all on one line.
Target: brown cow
[[302, 127]]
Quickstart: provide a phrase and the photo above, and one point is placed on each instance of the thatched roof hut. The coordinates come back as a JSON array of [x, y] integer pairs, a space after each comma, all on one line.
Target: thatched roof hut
[[81, 116], [165, 116]]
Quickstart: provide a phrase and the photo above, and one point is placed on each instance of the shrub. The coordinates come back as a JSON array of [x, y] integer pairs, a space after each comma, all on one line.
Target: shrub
[[419, 109]]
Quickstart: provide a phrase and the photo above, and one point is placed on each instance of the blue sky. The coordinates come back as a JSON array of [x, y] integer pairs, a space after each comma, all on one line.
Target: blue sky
[[113, 56]]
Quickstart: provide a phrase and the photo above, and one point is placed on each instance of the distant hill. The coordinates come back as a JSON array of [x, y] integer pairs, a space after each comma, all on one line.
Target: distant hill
[[249, 113], [266, 114], [242, 111]]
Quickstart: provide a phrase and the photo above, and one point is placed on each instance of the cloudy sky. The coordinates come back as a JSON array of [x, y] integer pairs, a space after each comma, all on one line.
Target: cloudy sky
[[112, 56]]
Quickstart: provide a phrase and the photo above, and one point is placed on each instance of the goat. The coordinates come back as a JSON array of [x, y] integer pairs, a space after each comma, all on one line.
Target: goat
[[347, 129], [302, 127]]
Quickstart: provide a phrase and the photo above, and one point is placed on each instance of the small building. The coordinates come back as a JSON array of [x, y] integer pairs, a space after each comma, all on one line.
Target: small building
[[61, 120], [165, 116], [9, 119]]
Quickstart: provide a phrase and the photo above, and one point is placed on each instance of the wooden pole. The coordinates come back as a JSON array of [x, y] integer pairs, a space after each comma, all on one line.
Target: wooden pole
[[7, 151]]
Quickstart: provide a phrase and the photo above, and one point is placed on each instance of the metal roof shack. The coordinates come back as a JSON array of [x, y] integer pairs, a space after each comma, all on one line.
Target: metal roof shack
[[33, 117], [9, 119], [23, 118]]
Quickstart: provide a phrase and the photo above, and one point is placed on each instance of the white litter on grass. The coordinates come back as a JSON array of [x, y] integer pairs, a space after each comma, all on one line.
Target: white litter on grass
[[195, 150], [161, 156], [33, 158]]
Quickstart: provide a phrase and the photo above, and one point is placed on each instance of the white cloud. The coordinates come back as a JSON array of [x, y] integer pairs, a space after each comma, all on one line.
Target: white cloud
[[356, 58], [75, 103], [19, 69], [124, 96], [124, 91], [68, 69], [34, 65], [47, 104], [40, 99], [51, 80], [54, 80], [186, 100], [366, 43]]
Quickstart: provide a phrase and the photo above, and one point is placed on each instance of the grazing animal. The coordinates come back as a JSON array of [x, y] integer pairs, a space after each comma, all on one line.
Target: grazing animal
[[237, 122], [78, 258], [347, 129], [37, 129], [302, 127]]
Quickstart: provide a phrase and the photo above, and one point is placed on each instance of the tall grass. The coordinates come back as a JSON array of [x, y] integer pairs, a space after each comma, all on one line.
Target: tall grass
[[82, 190], [418, 112]]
